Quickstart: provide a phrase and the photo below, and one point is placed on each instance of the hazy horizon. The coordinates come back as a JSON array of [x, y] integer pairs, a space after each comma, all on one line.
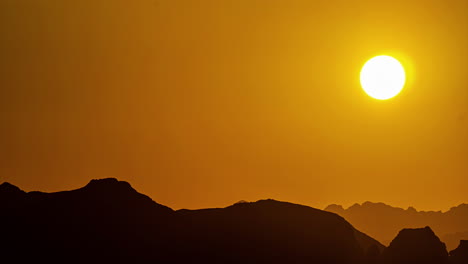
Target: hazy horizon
[[345, 206]]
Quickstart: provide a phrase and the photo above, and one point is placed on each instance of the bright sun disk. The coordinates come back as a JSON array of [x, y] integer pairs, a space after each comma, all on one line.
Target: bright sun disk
[[382, 77]]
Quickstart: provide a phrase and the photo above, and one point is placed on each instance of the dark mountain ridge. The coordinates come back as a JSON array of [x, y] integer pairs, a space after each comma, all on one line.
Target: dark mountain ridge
[[90, 223], [107, 221]]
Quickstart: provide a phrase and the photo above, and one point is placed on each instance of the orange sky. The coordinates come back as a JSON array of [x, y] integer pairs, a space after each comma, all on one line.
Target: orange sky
[[204, 103]]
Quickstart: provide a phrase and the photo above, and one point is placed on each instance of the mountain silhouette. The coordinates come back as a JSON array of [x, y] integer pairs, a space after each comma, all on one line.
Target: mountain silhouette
[[268, 231], [460, 254], [104, 221], [383, 222], [107, 221], [10, 194], [418, 245], [452, 240]]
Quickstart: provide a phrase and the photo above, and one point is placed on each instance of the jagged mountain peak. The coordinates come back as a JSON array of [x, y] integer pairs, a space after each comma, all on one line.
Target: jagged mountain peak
[[108, 183], [334, 208], [115, 191], [416, 245], [8, 187], [10, 193], [424, 231]]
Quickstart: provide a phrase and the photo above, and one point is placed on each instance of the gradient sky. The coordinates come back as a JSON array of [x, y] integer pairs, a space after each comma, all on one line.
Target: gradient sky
[[205, 103]]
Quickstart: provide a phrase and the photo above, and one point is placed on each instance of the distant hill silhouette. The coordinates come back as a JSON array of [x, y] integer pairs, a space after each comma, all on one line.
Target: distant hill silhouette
[[107, 221], [460, 254], [452, 240], [383, 222], [419, 245]]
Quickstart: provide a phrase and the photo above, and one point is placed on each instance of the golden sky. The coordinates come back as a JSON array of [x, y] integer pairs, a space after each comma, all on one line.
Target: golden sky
[[204, 103]]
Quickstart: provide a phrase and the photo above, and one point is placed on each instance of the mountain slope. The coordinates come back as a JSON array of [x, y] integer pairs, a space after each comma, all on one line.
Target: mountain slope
[[268, 231], [107, 221]]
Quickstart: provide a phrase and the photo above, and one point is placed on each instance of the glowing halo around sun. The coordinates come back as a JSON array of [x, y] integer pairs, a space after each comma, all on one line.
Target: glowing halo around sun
[[382, 77]]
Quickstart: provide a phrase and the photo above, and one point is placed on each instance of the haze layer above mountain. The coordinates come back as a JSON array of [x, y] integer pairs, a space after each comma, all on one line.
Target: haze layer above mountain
[[383, 222]]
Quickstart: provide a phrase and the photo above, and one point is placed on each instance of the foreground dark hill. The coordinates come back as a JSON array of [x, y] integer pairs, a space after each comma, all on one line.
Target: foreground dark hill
[[107, 221], [269, 231], [383, 222]]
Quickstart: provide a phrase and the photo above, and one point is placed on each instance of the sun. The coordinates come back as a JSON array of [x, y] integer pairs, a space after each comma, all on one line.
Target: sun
[[382, 77]]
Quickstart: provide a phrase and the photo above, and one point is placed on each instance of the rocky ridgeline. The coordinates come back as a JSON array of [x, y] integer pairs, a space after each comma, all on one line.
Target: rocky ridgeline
[[107, 221]]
